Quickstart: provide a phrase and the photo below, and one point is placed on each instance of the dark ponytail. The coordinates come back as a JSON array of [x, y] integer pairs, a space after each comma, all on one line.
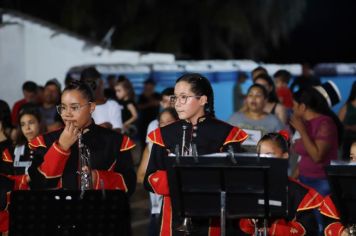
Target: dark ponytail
[[312, 99], [200, 86]]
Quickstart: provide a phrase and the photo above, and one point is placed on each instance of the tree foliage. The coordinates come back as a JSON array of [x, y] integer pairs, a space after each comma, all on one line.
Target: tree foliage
[[189, 29]]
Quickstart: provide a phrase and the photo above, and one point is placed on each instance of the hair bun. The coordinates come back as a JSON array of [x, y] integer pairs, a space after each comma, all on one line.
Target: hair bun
[[284, 134]]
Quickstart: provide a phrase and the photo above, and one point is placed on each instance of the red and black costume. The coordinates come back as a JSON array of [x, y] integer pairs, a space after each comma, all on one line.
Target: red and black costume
[[13, 168], [110, 158], [16, 162], [6, 185], [333, 226], [210, 136], [302, 200]]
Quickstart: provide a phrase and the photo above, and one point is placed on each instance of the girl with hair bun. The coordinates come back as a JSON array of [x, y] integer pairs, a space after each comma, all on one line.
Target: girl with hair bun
[[197, 129]]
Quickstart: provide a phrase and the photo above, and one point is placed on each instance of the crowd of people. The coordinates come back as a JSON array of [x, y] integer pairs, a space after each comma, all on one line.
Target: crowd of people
[[40, 136]]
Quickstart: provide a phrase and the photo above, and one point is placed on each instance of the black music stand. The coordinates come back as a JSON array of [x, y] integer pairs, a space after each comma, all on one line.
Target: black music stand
[[228, 187], [66, 212], [342, 180]]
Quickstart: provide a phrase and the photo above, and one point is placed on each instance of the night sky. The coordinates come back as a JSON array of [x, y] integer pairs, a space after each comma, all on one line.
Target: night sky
[[326, 33]]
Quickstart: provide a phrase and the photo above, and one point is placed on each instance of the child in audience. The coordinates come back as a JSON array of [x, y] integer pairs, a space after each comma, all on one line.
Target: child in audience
[[126, 98], [302, 200], [281, 80]]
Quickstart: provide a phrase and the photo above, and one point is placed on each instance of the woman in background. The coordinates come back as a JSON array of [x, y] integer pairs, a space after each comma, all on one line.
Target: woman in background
[[273, 106], [254, 119], [320, 135]]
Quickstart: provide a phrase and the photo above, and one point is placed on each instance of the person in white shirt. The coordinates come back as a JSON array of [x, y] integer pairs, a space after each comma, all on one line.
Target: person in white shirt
[[107, 112]]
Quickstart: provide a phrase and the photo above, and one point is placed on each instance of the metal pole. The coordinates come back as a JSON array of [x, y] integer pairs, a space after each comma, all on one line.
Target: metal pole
[[223, 212]]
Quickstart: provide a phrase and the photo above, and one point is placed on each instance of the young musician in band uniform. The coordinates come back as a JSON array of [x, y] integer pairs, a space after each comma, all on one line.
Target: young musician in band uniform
[[302, 200], [56, 160], [14, 162], [194, 102]]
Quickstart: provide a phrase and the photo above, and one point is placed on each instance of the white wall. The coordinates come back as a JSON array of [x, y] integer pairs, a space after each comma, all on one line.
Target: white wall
[[12, 62], [31, 50]]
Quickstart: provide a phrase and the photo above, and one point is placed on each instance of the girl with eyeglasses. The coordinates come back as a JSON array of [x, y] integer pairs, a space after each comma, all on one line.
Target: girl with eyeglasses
[[302, 200], [197, 130], [56, 161]]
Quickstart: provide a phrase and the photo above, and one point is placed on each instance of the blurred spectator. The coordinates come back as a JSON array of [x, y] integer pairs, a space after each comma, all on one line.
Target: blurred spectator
[[40, 91], [347, 116], [259, 70], [51, 97], [126, 98], [164, 103], [238, 95], [281, 80], [107, 113], [29, 90], [68, 80], [273, 106], [305, 80], [109, 92], [5, 126], [320, 134], [148, 107], [254, 120]]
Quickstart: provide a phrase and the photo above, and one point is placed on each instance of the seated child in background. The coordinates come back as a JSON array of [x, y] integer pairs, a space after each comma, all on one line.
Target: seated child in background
[[285, 96], [302, 200]]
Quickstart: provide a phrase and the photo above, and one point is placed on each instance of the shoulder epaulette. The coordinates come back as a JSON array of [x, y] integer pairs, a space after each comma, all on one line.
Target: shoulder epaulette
[[311, 200], [236, 135], [6, 156], [156, 137], [126, 144], [329, 209], [37, 142]]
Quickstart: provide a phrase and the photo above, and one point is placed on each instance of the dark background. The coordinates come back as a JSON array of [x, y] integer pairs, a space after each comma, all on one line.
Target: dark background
[[275, 31]]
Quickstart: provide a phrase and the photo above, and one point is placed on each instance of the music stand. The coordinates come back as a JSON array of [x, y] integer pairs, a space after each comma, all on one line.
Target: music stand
[[226, 186], [65, 212], [342, 180]]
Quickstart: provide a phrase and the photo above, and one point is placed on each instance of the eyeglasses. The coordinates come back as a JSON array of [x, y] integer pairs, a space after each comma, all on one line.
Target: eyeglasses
[[182, 98], [73, 108]]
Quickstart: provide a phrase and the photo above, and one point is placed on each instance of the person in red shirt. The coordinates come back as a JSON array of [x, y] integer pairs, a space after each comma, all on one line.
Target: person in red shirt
[[285, 96], [29, 90]]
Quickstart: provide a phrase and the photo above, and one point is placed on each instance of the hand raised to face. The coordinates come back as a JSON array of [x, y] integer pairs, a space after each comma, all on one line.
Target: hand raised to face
[[69, 135]]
